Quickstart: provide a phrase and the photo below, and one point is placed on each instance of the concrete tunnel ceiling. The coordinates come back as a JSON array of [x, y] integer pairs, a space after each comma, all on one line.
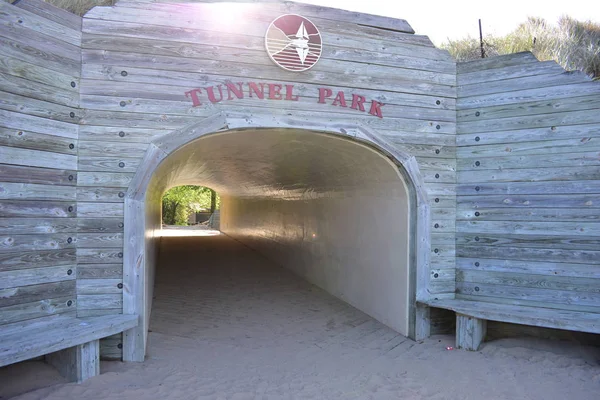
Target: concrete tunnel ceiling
[[331, 210], [281, 163]]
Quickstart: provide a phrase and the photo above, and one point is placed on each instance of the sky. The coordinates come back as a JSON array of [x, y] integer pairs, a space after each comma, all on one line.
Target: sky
[[443, 20]]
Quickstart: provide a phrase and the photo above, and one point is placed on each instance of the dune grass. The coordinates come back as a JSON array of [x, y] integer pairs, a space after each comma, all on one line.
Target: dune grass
[[573, 44]]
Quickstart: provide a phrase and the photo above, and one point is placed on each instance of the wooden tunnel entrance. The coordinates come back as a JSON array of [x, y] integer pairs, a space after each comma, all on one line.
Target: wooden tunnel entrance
[[334, 205]]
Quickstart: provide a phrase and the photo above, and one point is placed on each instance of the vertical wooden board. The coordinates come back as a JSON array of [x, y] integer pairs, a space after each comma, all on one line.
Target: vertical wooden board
[[470, 332]]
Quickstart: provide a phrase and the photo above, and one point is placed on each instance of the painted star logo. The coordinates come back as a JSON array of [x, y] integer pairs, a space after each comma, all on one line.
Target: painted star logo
[[293, 42]]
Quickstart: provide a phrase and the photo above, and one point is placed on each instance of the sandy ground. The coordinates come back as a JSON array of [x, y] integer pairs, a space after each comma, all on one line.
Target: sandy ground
[[227, 324]]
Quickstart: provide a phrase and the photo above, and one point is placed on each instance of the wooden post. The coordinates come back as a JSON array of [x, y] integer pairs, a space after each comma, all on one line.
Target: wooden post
[[77, 363], [423, 322], [213, 201], [470, 332]]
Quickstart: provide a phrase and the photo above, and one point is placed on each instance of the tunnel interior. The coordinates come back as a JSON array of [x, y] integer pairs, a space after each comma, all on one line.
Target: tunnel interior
[[330, 210]]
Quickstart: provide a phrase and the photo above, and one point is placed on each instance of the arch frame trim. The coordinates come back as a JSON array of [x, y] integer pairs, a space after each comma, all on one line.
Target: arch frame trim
[[134, 257]]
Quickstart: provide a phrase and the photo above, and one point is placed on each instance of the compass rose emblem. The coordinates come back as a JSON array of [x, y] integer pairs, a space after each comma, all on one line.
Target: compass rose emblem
[[293, 42]]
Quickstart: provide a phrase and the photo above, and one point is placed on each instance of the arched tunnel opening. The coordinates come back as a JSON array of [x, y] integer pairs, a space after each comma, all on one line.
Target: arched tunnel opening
[[304, 216]]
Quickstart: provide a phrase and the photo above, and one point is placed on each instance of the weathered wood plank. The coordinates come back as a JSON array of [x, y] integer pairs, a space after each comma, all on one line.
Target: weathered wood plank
[[531, 267], [38, 309], [527, 293], [489, 189], [99, 286], [37, 124], [508, 72], [32, 293], [36, 158], [32, 226], [99, 255], [470, 332], [108, 164], [516, 162], [14, 16], [77, 363], [99, 225], [496, 62], [38, 91], [99, 301], [48, 11], [36, 276], [532, 148], [37, 242], [530, 214], [32, 209], [577, 132], [108, 210], [40, 74], [104, 179], [99, 240], [531, 174], [31, 191], [100, 195], [112, 148], [37, 141], [100, 271], [35, 259], [113, 134], [549, 228], [35, 175], [529, 241], [527, 280], [530, 254], [536, 316]]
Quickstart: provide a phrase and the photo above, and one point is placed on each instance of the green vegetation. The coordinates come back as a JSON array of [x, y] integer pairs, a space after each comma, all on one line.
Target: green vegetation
[[573, 44], [179, 202]]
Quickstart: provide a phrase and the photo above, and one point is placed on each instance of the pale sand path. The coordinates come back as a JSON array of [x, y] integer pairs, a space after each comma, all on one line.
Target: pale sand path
[[227, 324]]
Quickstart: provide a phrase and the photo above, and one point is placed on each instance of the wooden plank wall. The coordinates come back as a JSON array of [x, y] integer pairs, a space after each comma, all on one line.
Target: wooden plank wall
[[528, 217], [39, 112], [139, 59]]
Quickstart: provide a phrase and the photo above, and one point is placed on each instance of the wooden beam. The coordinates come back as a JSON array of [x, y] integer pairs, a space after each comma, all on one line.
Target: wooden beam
[[470, 332], [77, 363]]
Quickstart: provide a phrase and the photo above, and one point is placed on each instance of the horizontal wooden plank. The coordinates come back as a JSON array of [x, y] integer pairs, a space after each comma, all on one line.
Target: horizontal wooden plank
[[99, 225], [108, 164], [35, 175], [26, 122], [496, 62], [100, 195], [99, 286], [566, 283], [528, 241], [99, 301], [584, 133], [98, 312], [528, 303], [40, 74], [527, 100], [530, 214], [34, 259], [31, 242], [577, 145], [548, 228], [36, 276], [530, 188], [52, 13], [527, 293], [32, 293], [484, 76], [37, 141], [113, 134], [38, 91], [32, 226], [39, 208], [108, 210], [505, 87], [530, 174], [104, 179], [582, 201], [38, 309], [530, 254], [514, 163], [30, 53], [536, 316], [526, 122], [32, 191], [528, 267], [550, 105], [36, 158], [111, 148], [99, 240], [100, 271], [99, 255], [15, 16]]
